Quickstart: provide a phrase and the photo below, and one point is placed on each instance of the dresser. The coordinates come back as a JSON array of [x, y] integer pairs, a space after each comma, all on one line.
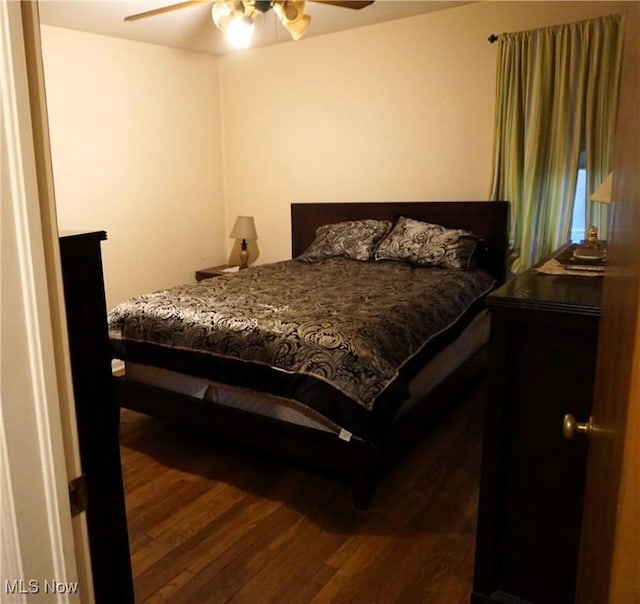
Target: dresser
[[542, 359], [97, 415]]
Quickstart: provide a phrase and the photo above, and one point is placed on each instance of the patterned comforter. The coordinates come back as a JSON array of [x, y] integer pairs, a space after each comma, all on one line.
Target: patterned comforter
[[338, 328]]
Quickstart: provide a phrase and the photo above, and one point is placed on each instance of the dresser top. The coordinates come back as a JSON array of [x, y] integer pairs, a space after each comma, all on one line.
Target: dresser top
[[575, 294], [101, 235]]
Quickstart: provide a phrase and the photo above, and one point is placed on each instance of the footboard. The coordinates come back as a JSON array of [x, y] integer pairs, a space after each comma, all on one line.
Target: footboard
[[354, 462]]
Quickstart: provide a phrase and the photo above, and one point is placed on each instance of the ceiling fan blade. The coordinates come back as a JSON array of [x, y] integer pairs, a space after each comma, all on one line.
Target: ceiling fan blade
[[165, 9], [356, 4]]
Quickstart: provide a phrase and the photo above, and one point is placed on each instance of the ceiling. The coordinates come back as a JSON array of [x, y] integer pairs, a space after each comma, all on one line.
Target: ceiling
[[192, 29]]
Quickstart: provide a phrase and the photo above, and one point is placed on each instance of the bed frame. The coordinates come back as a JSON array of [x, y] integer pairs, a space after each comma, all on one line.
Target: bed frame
[[358, 463]]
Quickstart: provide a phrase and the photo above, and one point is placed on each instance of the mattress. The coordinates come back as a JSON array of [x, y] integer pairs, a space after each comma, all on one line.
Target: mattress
[[472, 339]]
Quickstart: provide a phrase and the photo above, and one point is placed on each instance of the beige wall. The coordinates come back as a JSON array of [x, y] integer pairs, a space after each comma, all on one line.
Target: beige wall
[[145, 137], [396, 111], [135, 135]]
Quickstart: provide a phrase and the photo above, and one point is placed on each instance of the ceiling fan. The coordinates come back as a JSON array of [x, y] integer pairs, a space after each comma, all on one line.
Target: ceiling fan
[[237, 17]]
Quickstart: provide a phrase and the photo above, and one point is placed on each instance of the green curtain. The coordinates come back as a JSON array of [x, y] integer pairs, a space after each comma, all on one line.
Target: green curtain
[[556, 94]]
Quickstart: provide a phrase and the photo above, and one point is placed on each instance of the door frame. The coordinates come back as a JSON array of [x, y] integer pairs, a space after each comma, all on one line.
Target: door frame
[[44, 554]]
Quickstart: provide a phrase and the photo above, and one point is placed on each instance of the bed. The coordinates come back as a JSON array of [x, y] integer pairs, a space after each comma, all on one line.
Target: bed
[[335, 363]]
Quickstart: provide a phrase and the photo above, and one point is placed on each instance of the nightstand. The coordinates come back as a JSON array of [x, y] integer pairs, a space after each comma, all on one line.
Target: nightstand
[[212, 271]]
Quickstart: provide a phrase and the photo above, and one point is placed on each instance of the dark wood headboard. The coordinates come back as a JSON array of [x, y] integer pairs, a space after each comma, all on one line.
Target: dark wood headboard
[[486, 219]]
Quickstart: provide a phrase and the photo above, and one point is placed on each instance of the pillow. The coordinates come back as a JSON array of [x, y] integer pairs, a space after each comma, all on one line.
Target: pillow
[[428, 244], [355, 239]]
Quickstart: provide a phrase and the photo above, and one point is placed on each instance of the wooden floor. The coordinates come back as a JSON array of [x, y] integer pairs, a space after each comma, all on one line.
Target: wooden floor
[[214, 524]]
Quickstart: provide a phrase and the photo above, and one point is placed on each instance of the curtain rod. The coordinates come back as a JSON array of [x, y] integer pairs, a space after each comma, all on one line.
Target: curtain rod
[[492, 38]]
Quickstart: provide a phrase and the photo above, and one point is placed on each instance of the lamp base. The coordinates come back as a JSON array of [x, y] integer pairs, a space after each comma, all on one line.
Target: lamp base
[[592, 237], [244, 255]]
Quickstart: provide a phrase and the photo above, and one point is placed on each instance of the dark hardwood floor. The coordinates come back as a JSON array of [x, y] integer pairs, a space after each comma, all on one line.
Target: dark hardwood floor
[[209, 523]]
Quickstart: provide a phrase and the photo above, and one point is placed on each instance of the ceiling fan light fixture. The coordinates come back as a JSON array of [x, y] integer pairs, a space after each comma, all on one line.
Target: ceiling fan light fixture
[[262, 6], [236, 18], [221, 13], [292, 16], [292, 10], [240, 31], [299, 27], [242, 14]]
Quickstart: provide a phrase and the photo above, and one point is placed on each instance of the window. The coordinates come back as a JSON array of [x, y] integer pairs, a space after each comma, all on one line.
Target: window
[[578, 226]]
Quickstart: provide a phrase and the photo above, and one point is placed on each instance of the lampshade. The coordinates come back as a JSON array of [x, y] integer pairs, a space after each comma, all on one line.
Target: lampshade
[[244, 228], [298, 28], [292, 16], [222, 14], [603, 193]]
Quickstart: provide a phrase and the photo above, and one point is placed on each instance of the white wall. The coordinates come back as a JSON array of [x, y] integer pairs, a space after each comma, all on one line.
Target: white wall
[[135, 135], [396, 111]]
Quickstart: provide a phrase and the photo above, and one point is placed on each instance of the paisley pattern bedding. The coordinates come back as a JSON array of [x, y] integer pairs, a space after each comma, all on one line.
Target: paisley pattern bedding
[[350, 325]]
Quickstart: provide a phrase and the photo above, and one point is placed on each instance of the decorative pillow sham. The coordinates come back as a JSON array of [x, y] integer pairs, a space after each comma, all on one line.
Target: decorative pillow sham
[[355, 239], [428, 244]]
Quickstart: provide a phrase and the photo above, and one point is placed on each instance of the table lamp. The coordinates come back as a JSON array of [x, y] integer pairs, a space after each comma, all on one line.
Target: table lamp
[[593, 249], [601, 195], [244, 228]]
